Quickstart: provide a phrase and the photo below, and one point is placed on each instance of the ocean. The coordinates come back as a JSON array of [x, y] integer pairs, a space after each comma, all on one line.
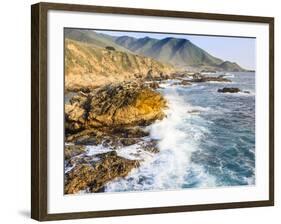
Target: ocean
[[207, 139]]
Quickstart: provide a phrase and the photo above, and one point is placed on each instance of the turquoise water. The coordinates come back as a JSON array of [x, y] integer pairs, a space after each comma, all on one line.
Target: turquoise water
[[206, 140]]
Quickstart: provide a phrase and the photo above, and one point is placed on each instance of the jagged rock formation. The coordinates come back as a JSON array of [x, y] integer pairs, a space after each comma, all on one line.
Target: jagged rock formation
[[125, 104]]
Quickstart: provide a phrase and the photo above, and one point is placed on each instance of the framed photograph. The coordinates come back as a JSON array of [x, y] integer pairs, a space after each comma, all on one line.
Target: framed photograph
[[139, 111]]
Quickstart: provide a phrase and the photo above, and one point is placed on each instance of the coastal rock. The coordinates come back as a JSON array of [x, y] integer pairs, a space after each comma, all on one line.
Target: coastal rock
[[185, 83], [182, 83], [194, 111], [150, 146], [229, 90], [197, 77], [73, 150], [74, 117], [124, 104], [112, 138], [154, 85], [129, 141], [215, 79], [93, 177], [130, 132]]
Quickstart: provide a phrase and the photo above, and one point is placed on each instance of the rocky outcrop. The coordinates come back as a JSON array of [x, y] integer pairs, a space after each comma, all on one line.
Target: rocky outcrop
[[232, 90], [125, 104], [112, 138], [73, 150], [229, 90], [112, 117], [197, 77], [153, 85], [86, 171], [182, 83], [93, 176]]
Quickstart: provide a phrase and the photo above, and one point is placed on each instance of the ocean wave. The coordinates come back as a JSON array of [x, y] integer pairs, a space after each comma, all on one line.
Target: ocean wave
[[220, 82], [229, 75], [180, 136], [135, 152], [239, 94], [172, 167], [196, 86]]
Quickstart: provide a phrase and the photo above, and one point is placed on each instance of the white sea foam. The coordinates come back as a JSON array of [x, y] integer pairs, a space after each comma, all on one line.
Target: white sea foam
[[94, 150], [220, 82], [196, 86], [229, 75], [135, 152], [180, 136], [69, 168], [164, 85], [239, 94], [172, 167]]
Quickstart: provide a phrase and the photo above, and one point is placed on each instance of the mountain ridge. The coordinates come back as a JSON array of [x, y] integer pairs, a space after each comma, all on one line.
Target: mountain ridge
[[179, 52]]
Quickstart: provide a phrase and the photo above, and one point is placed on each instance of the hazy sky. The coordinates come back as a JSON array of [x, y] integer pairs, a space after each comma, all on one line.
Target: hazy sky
[[234, 49]]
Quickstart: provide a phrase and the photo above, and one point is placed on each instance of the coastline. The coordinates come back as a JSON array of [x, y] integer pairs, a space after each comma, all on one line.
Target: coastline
[[104, 147]]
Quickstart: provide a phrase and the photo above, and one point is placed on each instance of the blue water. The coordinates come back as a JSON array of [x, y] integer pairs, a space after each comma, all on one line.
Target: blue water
[[206, 140]]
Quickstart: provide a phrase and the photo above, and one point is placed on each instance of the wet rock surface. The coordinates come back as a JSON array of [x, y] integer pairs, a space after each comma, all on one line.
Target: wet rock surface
[[73, 150], [182, 83], [111, 117], [232, 90], [92, 175], [198, 77], [112, 138], [153, 85]]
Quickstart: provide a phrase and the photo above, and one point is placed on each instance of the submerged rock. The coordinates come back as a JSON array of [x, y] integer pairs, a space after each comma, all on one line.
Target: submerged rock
[[93, 177], [150, 146], [194, 111]]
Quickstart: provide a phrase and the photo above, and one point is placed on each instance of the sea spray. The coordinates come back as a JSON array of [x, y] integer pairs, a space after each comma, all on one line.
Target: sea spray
[[206, 140], [171, 168]]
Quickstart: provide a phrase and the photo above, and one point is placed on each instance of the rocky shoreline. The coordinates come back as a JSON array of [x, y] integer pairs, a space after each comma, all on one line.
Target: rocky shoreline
[[113, 116]]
